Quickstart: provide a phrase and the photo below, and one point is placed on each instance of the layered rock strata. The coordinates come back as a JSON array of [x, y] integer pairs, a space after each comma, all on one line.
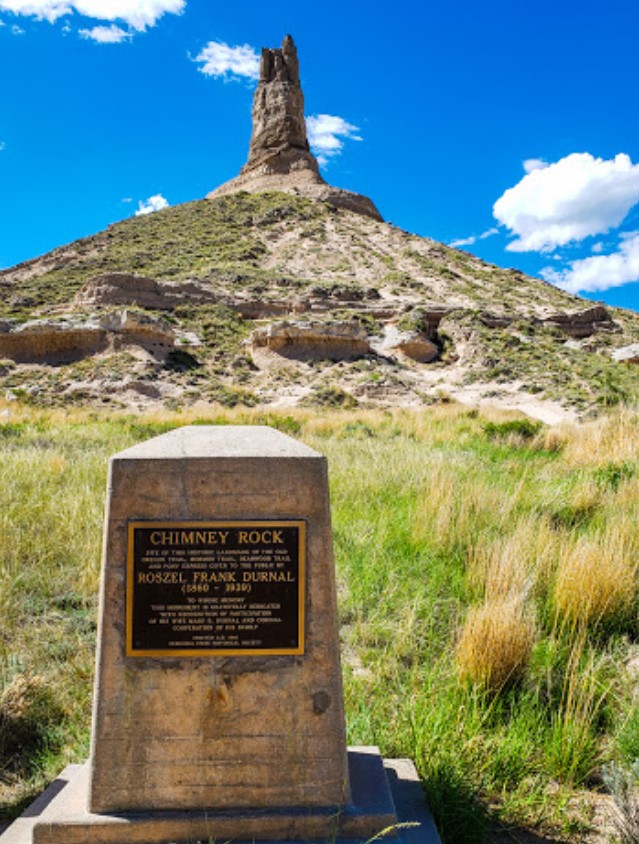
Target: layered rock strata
[[279, 154], [67, 340], [313, 341]]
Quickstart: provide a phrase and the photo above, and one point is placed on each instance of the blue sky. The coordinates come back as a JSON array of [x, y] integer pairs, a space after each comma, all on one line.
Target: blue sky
[[508, 128]]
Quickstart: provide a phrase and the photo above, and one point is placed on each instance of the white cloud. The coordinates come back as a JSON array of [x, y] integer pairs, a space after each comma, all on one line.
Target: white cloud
[[17, 30], [3, 146], [106, 34], [219, 59], [468, 241], [463, 241], [153, 203], [597, 248], [600, 272], [138, 14], [326, 133], [49, 10], [531, 164], [569, 200]]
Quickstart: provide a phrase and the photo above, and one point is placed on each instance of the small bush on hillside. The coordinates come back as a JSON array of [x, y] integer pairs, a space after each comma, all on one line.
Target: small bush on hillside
[[612, 474], [328, 396], [523, 429]]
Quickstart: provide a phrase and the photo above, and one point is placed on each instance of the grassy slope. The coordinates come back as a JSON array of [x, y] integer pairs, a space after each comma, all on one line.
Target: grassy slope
[[436, 514], [275, 246]]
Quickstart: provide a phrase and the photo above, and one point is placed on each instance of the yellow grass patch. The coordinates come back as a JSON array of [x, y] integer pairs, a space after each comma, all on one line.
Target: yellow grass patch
[[596, 578], [495, 643]]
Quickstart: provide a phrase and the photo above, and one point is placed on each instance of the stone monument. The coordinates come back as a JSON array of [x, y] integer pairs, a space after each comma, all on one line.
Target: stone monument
[[218, 701], [279, 153]]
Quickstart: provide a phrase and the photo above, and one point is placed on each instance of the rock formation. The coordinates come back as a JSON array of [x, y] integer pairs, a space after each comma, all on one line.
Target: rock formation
[[125, 289], [313, 341], [279, 153], [627, 354], [69, 339]]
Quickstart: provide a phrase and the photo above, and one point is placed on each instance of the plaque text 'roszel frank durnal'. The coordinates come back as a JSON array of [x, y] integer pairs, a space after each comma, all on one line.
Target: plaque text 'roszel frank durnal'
[[215, 588]]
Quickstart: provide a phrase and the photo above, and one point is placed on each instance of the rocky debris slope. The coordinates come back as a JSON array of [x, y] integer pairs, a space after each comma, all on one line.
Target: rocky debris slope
[[277, 299], [279, 153]]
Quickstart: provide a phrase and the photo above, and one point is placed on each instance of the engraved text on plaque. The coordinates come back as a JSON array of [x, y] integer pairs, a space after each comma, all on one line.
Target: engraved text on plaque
[[215, 588]]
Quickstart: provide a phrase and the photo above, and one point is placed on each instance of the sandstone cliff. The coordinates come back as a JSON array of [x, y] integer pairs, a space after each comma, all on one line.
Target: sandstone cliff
[[279, 154]]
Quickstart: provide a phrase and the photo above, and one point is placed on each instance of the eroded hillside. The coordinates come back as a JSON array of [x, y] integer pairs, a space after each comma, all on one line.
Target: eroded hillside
[[276, 299]]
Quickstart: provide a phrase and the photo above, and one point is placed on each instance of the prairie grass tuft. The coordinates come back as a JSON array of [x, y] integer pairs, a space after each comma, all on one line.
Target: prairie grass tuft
[[596, 581], [518, 563], [495, 643], [573, 750]]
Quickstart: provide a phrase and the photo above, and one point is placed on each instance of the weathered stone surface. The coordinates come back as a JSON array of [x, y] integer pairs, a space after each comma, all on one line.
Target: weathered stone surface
[[583, 323], [60, 815], [279, 154], [278, 142], [261, 308], [415, 345], [313, 340], [125, 289], [627, 354], [134, 327], [69, 339], [51, 341], [188, 732]]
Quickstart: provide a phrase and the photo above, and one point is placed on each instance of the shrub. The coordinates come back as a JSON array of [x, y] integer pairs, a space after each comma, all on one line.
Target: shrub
[[328, 396], [612, 474], [518, 429]]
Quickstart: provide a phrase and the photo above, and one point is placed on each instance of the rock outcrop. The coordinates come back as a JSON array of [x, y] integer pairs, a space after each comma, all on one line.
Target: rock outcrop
[[584, 323], [313, 340], [627, 354], [279, 143], [415, 345], [67, 340], [279, 154], [125, 289]]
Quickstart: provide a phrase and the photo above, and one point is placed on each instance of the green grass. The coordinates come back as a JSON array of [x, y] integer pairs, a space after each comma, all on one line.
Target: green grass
[[434, 512]]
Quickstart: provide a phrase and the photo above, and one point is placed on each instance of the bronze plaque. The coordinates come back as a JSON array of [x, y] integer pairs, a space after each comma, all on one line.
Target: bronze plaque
[[215, 588]]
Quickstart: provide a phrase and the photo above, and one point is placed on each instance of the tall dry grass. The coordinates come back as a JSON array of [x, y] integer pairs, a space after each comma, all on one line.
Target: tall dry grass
[[596, 578], [496, 642], [455, 508], [609, 439], [574, 748], [454, 551]]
